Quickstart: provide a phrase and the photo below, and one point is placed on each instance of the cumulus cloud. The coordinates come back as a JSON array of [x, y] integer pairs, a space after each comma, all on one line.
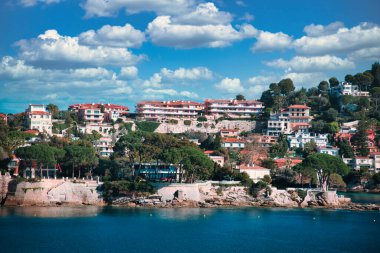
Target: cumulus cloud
[[344, 40], [196, 73], [154, 81], [247, 17], [320, 30], [312, 64], [205, 13], [267, 41], [113, 36], [230, 86], [130, 72], [305, 80], [30, 3], [163, 32], [262, 80], [366, 54], [162, 93], [54, 50], [102, 8]]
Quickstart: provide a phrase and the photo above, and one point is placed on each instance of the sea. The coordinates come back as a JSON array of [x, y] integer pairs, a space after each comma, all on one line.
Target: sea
[[233, 230]]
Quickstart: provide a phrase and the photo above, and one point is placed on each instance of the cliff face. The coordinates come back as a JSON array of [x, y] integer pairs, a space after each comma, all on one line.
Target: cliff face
[[52, 192]]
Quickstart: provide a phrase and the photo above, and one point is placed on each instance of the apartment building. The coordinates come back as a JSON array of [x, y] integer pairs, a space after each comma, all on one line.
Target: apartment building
[[233, 108], [154, 110], [38, 118], [345, 88], [293, 118], [298, 140], [99, 113], [104, 146], [334, 151]]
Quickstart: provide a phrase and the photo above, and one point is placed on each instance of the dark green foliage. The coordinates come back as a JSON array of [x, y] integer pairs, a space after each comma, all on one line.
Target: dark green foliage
[[257, 187], [330, 115], [323, 86], [213, 142], [187, 122], [360, 139], [201, 119], [173, 121], [240, 97], [54, 110], [286, 86], [345, 149], [126, 188], [280, 148], [147, 126], [376, 74], [333, 82]]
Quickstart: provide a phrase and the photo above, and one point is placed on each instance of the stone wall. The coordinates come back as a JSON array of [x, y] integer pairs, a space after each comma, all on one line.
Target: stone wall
[[51, 192]]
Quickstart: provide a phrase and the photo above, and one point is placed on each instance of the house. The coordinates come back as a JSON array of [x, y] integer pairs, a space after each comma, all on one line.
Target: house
[[255, 172], [104, 129], [104, 146], [38, 118], [159, 172], [215, 158], [233, 108], [14, 165], [293, 118], [155, 110], [3, 117], [99, 113], [229, 133], [376, 161], [233, 143], [299, 140], [334, 151], [360, 162], [345, 88], [287, 163]]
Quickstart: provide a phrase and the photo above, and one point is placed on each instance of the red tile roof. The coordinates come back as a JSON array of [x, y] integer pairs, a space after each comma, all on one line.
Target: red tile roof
[[39, 113], [32, 131], [169, 103], [208, 152], [233, 140], [98, 105], [299, 107], [232, 101], [253, 167]]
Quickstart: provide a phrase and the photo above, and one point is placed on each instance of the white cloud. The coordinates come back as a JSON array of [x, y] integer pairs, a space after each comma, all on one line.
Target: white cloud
[[113, 36], [305, 80], [162, 93], [102, 8], [30, 3], [52, 96], [262, 80], [162, 31], [154, 81], [205, 13], [267, 41], [247, 17], [196, 73], [312, 64], [241, 3], [54, 50], [189, 94], [344, 40], [130, 72], [230, 86], [366, 54], [320, 30]]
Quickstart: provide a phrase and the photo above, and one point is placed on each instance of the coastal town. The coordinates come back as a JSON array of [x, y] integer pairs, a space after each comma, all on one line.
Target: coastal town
[[290, 141]]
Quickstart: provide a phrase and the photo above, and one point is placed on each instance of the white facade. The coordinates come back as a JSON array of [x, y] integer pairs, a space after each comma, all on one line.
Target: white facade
[[104, 129], [328, 150], [155, 110], [256, 173], [376, 161], [349, 89], [104, 146], [38, 118], [359, 162], [233, 143], [299, 140], [233, 107]]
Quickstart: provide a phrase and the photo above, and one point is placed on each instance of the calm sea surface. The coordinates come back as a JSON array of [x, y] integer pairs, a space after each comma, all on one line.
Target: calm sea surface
[[92, 229]]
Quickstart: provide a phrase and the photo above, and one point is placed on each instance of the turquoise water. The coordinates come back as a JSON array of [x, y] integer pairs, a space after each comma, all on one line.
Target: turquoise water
[[361, 197], [92, 229]]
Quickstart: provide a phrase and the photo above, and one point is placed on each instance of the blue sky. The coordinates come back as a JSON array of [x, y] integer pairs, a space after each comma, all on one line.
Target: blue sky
[[124, 51]]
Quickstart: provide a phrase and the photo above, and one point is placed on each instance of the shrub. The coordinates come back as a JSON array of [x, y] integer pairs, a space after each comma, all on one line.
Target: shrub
[[147, 126], [173, 121], [201, 119], [199, 124], [187, 122]]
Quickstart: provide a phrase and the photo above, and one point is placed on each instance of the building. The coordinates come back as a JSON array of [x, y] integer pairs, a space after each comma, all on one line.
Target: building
[[345, 88], [38, 118], [334, 151], [224, 133], [298, 140], [233, 143], [255, 172], [233, 108], [155, 110], [99, 113], [376, 160], [360, 163], [105, 130], [104, 146], [159, 172], [215, 158], [3, 117], [293, 118]]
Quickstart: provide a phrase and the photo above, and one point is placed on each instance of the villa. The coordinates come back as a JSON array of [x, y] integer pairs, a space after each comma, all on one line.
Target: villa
[[38, 118], [233, 108]]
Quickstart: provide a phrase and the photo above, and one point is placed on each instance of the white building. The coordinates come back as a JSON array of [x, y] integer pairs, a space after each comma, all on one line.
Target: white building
[[376, 161], [360, 162], [298, 140], [334, 151], [154, 110], [38, 118], [105, 130], [98, 113], [233, 108], [233, 143], [346, 88], [104, 146], [255, 172], [293, 118]]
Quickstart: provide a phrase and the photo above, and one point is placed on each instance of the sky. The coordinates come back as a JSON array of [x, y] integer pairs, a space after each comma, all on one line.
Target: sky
[[124, 51]]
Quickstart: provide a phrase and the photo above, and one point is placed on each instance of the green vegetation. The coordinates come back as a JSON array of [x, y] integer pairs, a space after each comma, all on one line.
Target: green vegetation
[[201, 119], [147, 126], [187, 122]]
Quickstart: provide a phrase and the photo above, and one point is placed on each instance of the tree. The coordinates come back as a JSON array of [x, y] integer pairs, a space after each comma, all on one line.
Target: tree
[[336, 181], [54, 110], [286, 86], [323, 86], [11, 140], [80, 156], [360, 139], [267, 99], [324, 166], [363, 80], [333, 127], [345, 149], [376, 74], [240, 97], [349, 78], [330, 115], [280, 148], [333, 81], [310, 148]]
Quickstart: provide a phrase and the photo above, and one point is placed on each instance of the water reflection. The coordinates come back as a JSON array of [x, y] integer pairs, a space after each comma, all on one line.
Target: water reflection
[[50, 212]]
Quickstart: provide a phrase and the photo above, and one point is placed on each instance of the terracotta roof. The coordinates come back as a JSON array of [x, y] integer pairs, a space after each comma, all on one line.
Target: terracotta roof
[[32, 131], [208, 152], [98, 105], [233, 101], [169, 103], [234, 140], [39, 113], [328, 147], [299, 107], [375, 153], [228, 130]]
